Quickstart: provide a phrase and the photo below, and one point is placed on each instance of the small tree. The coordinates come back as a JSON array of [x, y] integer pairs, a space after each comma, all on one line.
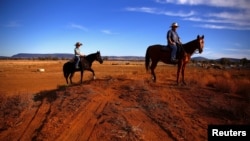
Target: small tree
[[243, 61], [224, 61]]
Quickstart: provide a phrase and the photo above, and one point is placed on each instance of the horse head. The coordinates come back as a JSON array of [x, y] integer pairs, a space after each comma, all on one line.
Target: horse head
[[99, 57], [200, 40]]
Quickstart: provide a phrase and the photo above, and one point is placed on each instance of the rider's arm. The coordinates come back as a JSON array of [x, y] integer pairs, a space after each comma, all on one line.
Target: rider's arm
[[169, 38], [179, 40]]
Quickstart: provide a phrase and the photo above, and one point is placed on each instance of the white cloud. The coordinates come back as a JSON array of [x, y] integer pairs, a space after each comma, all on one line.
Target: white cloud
[[229, 15], [77, 26], [241, 18], [243, 4], [214, 26], [219, 20], [105, 31], [160, 12], [237, 17], [141, 9], [179, 13], [231, 20]]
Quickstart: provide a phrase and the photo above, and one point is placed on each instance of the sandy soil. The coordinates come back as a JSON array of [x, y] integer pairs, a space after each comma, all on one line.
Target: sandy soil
[[121, 104]]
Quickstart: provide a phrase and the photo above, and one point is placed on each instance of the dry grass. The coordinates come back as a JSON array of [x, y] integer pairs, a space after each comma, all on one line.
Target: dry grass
[[126, 90], [227, 81], [11, 108]]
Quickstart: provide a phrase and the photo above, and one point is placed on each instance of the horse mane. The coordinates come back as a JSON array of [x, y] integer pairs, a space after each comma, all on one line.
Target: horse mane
[[92, 54], [189, 47], [91, 57]]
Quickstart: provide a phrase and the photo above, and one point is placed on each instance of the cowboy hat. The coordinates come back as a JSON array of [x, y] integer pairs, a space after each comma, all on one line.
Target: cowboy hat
[[78, 44], [174, 25]]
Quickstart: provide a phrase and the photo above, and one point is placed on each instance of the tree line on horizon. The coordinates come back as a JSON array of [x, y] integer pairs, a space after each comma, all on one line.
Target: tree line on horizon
[[222, 61]]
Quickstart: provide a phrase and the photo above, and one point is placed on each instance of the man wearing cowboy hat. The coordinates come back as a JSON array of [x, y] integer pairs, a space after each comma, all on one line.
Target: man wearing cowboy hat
[[77, 54], [173, 41]]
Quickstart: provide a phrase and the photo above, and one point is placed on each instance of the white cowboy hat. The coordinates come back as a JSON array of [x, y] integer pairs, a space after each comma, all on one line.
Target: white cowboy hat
[[174, 25]]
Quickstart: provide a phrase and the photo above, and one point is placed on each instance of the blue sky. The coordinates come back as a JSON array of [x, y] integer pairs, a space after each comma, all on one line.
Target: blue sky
[[123, 27]]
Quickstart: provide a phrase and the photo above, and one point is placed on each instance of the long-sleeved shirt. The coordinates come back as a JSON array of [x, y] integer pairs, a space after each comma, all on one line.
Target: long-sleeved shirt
[[77, 52], [173, 36]]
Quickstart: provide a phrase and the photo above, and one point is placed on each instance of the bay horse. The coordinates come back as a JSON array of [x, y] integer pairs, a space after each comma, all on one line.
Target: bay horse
[[157, 53], [85, 64]]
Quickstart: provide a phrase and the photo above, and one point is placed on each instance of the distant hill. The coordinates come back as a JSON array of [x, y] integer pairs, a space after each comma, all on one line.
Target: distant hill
[[199, 59], [124, 57], [69, 56], [4, 57], [235, 60], [54, 55]]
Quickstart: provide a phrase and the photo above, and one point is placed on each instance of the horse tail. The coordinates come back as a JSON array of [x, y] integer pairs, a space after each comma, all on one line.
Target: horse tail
[[65, 70], [147, 59]]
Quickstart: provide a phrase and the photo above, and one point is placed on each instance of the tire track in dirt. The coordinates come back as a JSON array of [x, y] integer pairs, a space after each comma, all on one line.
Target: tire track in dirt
[[112, 109], [84, 122], [37, 122], [144, 97], [114, 114]]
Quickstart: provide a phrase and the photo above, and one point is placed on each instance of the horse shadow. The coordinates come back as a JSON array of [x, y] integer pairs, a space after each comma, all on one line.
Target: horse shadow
[[49, 95], [52, 95]]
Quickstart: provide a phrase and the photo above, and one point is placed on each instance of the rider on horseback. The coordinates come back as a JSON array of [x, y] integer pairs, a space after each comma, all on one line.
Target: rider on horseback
[[173, 41], [77, 54]]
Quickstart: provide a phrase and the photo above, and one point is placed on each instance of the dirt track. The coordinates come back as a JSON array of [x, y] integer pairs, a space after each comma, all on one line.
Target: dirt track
[[121, 104]]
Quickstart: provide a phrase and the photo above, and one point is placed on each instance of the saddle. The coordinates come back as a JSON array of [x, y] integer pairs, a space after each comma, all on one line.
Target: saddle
[[85, 62], [168, 49]]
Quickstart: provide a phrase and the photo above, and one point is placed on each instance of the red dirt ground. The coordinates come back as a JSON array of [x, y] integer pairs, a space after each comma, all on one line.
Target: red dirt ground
[[121, 104]]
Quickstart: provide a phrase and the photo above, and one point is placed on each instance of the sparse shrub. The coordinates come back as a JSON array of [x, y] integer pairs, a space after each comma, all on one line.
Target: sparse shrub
[[223, 81], [122, 77], [243, 88], [10, 110], [209, 80], [225, 84], [204, 79]]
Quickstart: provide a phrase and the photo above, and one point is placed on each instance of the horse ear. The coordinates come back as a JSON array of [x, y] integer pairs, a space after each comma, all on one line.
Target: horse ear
[[198, 36], [202, 36]]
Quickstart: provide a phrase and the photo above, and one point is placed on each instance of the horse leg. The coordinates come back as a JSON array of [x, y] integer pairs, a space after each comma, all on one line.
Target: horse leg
[[93, 72], [66, 77], [70, 77], [81, 75], [178, 72], [152, 67], [183, 73]]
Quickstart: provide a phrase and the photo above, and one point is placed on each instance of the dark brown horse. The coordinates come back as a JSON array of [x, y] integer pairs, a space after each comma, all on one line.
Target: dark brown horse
[[157, 53], [85, 64]]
